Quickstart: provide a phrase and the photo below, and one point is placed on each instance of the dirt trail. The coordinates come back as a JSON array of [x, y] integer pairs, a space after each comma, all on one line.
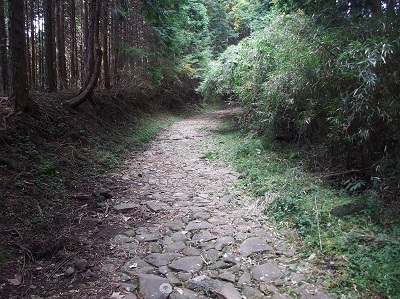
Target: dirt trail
[[204, 238]]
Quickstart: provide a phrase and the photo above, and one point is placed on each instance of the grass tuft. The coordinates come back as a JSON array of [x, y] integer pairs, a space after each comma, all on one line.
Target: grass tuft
[[362, 249]]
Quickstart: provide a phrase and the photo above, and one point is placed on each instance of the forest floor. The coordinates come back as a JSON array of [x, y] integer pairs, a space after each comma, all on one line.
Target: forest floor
[[170, 223]]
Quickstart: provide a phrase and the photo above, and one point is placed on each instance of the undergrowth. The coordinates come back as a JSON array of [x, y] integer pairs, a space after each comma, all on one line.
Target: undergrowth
[[362, 249], [48, 157]]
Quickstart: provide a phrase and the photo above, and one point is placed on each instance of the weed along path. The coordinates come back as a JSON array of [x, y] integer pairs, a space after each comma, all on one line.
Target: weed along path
[[201, 237]]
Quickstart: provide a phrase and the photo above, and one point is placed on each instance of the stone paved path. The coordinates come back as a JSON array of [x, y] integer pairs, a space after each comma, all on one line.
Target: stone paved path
[[207, 239]]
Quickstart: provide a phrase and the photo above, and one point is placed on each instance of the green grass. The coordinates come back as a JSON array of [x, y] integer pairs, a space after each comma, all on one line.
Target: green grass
[[362, 248], [134, 137]]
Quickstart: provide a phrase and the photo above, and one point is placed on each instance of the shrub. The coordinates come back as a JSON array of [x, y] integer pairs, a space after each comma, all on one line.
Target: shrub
[[337, 86]]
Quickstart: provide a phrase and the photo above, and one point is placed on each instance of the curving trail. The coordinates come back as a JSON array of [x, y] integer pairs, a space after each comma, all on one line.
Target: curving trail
[[205, 239]]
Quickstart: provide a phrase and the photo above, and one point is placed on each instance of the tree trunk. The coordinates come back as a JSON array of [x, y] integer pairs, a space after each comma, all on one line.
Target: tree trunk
[[32, 44], [3, 52], [106, 66], [74, 47], [93, 54], [62, 64], [28, 54], [19, 99], [40, 59], [114, 41], [50, 75], [85, 52], [88, 91]]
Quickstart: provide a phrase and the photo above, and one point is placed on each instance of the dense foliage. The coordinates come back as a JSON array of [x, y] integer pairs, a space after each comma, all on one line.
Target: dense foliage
[[306, 81], [322, 76]]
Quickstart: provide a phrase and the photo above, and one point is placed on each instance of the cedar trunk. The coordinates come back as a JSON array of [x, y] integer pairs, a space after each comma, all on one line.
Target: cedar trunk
[[93, 55], [74, 47], [3, 52], [106, 65], [50, 74], [19, 98], [62, 64], [32, 45], [88, 91]]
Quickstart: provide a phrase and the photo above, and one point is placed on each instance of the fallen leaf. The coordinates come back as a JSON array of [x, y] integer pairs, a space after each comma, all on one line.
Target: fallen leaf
[[16, 281]]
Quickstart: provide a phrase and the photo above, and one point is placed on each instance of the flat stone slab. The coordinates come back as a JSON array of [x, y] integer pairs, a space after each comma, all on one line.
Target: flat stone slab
[[157, 206], [161, 259], [231, 258], [129, 287], [310, 292], [148, 237], [212, 255], [201, 282], [137, 266], [187, 264], [121, 239], [154, 287], [186, 294], [175, 247], [223, 230], [223, 290], [173, 279], [245, 279], [253, 245], [181, 236], [204, 236], [266, 272], [193, 225], [252, 293], [226, 290], [227, 277], [175, 225], [126, 207], [221, 243], [201, 215]]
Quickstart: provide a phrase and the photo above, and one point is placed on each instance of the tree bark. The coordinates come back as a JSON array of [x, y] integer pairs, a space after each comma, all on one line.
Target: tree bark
[[88, 91], [74, 47], [32, 45], [19, 99], [50, 74], [62, 64], [93, 54], [86, 54], [3, 52], [106, 65]]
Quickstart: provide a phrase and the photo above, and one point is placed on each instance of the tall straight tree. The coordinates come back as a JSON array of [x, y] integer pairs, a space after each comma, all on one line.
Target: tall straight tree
[[62, 64], [74, 68], [32, 45], [3, 51], [106, 65], [19, 97], [50, 74]]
